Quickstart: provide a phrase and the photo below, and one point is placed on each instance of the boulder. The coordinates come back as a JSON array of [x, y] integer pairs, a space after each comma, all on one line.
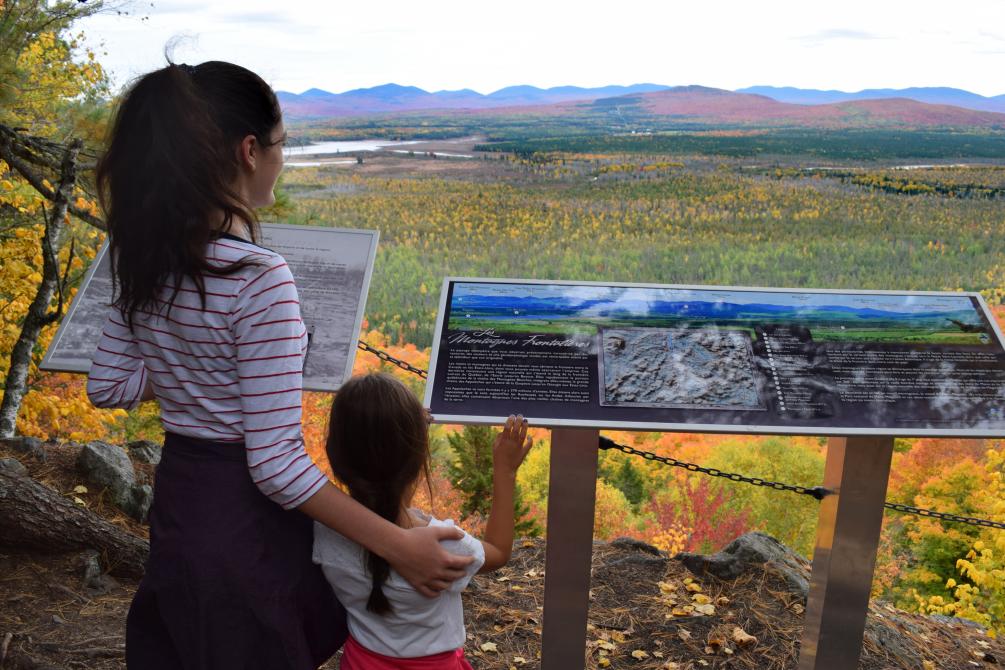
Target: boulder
[[109, 466], [750, 550], [889, 636], [141, 496], [95, 580], [13, 467], [638, 555], [637, 545], [635, 562], [145, 451], [29, 446]]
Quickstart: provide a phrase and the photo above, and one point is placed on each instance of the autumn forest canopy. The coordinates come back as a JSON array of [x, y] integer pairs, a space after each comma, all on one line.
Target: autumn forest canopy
[[692, 187]]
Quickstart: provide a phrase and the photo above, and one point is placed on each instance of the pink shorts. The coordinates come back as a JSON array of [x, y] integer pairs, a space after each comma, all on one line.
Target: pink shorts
[[357, 657]]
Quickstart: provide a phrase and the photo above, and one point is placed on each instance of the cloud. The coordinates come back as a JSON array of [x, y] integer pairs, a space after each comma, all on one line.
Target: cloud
[[266, 17], [832, 34], [160, 7]]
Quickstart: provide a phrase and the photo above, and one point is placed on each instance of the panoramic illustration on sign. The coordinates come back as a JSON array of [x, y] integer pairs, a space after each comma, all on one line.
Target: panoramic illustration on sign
[[332, 269], [726, 359]]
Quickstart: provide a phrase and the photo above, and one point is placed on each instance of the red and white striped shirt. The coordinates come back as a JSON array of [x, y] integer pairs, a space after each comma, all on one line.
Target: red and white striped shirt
[[229, 371]]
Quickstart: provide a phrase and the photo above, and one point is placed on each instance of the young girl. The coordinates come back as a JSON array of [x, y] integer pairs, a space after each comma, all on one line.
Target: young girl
[[378, 446], [208, 322]]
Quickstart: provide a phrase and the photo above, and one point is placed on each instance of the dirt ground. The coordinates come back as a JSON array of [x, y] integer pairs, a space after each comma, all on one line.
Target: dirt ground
[[639, 616]]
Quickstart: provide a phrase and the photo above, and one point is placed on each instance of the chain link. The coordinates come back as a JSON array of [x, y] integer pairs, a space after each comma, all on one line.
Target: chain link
[[817, 492], [907, 509], [384, 356]]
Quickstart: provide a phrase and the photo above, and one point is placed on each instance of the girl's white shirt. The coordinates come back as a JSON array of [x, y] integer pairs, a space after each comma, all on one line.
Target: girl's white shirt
[[417, 625]]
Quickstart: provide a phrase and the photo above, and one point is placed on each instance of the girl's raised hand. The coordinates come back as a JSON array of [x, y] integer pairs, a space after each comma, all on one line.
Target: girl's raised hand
[[511, 445]]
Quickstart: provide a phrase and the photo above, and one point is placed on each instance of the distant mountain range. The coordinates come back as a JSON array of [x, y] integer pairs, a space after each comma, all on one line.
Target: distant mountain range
[[393, 98], [712, 106], [931, 95]]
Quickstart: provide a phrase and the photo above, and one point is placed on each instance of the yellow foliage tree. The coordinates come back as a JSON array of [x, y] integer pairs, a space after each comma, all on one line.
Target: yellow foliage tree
[[981, 597], [44, 83]]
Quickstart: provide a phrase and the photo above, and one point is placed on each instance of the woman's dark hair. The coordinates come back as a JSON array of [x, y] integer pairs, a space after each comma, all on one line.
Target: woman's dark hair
[[378, 446], [168, 173]]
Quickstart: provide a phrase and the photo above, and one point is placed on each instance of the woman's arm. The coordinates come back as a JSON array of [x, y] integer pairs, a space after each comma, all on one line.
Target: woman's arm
[[118, 376], [271, 341], [510, 448], [416, 553]]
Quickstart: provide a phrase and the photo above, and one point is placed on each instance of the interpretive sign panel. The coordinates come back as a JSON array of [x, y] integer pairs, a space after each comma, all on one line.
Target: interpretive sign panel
[[332, 268], [720, 359]]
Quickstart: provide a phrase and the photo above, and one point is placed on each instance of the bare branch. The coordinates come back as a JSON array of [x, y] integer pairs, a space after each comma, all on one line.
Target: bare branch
[[61, 285], [13, 147]]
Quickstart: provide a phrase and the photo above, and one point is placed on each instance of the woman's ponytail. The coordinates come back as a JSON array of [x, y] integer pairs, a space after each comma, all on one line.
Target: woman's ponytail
[[167, 176]]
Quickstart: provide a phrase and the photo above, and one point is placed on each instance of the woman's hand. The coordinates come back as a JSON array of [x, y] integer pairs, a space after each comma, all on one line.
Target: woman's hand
[[419, 557], [511, 446], [415, 553]]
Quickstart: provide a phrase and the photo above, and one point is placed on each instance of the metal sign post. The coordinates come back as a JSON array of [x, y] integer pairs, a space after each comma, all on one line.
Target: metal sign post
[[856, 472], [572, 490]]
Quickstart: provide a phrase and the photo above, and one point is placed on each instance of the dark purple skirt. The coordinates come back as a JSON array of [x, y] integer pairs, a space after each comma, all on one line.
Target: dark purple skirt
[[230, 583]]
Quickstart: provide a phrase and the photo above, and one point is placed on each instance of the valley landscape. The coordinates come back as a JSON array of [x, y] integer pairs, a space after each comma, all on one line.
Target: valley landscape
[[881, 189], [691, 186]]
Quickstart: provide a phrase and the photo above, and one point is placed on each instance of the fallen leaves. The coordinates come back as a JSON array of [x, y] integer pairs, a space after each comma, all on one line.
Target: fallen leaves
[[742, 638]]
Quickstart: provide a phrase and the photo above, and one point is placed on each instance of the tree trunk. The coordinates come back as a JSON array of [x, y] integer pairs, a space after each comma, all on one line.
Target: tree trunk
[[34, 516], [39, 316]]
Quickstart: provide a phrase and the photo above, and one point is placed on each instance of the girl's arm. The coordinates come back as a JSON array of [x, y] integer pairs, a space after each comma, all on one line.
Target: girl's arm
[[415, 553], [510, 448]]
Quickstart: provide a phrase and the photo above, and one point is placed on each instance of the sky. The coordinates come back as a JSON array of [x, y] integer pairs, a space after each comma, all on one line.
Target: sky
[[486, 45]]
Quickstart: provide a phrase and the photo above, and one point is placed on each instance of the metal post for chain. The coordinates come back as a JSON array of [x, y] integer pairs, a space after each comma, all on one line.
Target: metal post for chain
[[856, 472], [572, 487]]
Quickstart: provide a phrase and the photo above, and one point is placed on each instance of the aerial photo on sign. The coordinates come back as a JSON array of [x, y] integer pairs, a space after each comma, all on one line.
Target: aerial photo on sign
[[728, 359]]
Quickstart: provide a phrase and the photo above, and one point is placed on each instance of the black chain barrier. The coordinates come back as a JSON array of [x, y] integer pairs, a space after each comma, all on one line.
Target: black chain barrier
[[907, 509], [817, 492], [388, 358]]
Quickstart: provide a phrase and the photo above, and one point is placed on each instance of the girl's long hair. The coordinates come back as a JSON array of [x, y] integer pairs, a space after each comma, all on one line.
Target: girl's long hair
[[166, 179], [378, 446]]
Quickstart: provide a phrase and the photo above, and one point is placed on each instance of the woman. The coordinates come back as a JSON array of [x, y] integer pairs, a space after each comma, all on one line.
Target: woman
[[208, 323]]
